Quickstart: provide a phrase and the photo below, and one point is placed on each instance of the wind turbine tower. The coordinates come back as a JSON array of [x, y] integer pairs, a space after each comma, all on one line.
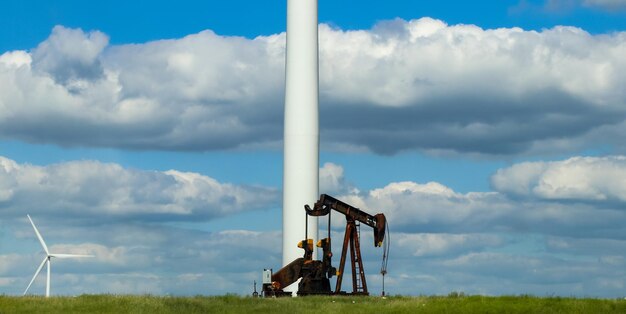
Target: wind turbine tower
[[301, 138]]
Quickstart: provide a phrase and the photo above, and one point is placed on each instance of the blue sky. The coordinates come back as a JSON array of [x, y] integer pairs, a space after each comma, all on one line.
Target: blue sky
[[149, 134]]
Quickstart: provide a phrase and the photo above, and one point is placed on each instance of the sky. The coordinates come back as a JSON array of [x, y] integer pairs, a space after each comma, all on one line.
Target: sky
[[149, 134]]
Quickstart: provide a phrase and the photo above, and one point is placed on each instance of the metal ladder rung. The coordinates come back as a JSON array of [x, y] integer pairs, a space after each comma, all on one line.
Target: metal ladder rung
[[359, 286]]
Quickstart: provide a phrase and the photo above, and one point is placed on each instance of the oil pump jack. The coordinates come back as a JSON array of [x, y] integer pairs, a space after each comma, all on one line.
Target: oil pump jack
[[316, 274]]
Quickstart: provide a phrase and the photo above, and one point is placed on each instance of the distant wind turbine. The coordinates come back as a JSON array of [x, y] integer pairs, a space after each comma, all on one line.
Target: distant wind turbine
[[46, 260]]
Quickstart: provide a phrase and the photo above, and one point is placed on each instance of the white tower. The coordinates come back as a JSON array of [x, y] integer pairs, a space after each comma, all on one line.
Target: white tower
[[301, 151]]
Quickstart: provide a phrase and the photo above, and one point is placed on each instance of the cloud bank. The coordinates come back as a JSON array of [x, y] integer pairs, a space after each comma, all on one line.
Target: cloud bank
[[109, 191], [600, 179], [402, 85], [548, 228], [518, 238]]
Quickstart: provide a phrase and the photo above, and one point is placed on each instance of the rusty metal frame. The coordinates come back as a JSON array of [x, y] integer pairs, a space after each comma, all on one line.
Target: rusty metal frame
[[351, 240]]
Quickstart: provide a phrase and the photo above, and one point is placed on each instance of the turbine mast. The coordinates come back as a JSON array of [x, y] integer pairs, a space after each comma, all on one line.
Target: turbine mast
[[301, 138], [48, 279]]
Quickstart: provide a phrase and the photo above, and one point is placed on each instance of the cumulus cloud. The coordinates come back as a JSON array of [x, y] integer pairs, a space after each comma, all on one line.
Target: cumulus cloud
[[466, 89], [578, 178], [332, 180], [433, 207], [568, 210], [402, 85], [70, 55], [107, 190], [197, 93]]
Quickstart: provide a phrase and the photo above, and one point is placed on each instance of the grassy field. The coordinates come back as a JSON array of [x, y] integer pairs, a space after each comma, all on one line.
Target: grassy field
[[234, 304]]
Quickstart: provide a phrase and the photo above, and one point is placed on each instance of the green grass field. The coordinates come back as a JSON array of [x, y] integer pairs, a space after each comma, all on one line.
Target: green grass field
[[234, 304]]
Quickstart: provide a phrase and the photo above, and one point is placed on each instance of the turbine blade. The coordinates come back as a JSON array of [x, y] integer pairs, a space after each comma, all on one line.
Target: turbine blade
[[36, 273], [39, 235], [69, 255]]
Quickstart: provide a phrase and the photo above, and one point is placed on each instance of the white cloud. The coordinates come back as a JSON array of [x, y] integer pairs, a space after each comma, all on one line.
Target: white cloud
[[179, 262], [70, 55], [587, 202], [577, 178], [8, 260], [331, 177], [110, 191], [411, 206], [434, 79], [610, 5], [16, 59], [332, 180], [441, 240], [505, 242], [607, 250], [402, 85], [438, 244], [567, 6]]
